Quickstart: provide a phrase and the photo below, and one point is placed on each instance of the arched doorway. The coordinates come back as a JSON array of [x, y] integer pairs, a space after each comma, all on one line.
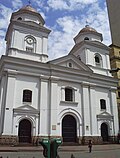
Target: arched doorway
[[104, 132], [24, 132], [69, 129]]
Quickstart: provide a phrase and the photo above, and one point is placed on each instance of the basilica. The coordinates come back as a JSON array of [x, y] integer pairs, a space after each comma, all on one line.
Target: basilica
[[72, 97]]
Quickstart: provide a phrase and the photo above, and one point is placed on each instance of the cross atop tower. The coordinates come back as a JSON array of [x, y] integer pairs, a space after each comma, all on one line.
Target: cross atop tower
[[87, 24], [29, 2]]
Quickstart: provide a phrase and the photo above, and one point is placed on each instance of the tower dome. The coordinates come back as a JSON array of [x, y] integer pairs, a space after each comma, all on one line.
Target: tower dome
[[87, 28], [88, 33], [28, 8], [28, 13]]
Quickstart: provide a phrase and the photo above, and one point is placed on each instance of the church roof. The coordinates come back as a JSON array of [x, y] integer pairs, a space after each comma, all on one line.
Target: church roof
[[87, 28], [28, 8], [78, 64]]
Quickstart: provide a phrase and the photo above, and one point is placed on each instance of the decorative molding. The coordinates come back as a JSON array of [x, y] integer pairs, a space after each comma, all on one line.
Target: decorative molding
[[105, 116], [26, 109], [68, 103]]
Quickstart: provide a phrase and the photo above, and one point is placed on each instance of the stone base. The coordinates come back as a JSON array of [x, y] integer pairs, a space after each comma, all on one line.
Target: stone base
[[96, 140], [14, 140], [8, 140], [113, 139], [85, 139]]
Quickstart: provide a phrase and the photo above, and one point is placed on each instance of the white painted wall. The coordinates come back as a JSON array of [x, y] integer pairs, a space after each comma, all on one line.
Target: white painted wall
[[47, 83], [30, 83]]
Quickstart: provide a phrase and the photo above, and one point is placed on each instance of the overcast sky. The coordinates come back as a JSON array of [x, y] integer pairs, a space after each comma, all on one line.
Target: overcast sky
[[64, 17]]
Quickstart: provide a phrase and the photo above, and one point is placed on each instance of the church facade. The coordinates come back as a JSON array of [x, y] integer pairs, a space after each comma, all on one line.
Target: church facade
[[72, 97]]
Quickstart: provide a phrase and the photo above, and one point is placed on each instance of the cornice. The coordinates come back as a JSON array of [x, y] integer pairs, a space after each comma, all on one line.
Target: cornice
[[25, 52], [56, 72], [89, 43], [29, 25]]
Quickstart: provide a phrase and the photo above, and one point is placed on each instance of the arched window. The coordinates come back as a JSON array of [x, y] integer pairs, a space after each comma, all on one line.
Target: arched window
[[102, 104], [98, 60], [70, 64], [86, 38], [19, 18], [68, 94], [30, 44], [27, 95]]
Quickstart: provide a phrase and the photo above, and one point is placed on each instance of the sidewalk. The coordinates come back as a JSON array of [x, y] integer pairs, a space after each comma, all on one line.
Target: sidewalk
[[60, 149]]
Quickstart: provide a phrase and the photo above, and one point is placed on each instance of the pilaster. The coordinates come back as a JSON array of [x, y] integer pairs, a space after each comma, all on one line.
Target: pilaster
[[10, 97], [86, 110], [114, 110], [53, 105], [3, 89], [93, 120], [44, 106]]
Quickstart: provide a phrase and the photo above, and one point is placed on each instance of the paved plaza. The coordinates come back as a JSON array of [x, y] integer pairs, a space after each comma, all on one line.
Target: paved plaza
[[99, 151]]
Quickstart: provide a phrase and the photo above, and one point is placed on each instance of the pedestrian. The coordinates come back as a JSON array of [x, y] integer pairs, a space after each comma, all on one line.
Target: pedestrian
[[90, 146]]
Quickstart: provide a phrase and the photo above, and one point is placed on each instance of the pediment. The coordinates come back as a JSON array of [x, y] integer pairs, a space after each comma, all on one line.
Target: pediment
[[71, 61], [105, 115], [26, 109]]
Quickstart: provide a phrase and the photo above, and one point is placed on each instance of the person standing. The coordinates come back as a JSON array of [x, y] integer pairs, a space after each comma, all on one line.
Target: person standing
[[90, 146]]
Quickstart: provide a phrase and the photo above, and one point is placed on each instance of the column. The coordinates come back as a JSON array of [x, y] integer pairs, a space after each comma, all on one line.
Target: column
[[62, 93], [44, 107], [10, 97], [54, 106], [3, 86], [114, 112], [86, 110], [93, 119], [44, 45]]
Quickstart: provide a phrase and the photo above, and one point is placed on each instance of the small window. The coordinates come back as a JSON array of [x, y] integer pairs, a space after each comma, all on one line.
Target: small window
[[29, 49], [27, 96], [70, 64], [19, 18], [103, 104], [86, 38], [98, 60], [68, 94]]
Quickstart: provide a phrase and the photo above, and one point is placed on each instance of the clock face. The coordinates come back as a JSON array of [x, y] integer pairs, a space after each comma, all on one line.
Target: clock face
[[29, 40]]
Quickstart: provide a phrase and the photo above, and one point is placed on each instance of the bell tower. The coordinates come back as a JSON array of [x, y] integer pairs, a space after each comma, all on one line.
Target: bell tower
[[91, 51], [27, 36]]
